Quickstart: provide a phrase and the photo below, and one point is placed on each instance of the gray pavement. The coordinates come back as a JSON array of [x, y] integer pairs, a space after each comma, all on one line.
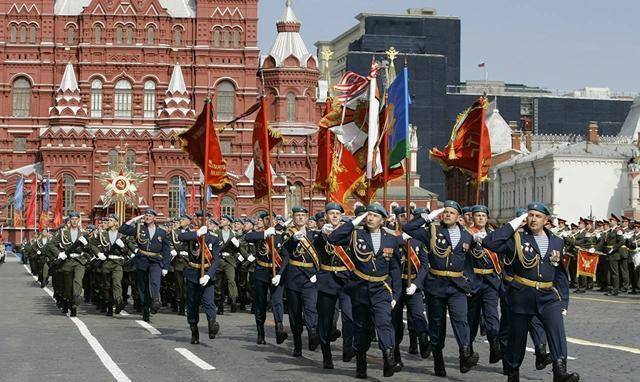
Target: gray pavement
[[38, 343]]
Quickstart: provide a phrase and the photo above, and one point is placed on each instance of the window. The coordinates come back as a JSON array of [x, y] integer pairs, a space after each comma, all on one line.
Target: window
[[227, 38], [20, 144], [177, 36], [122, 99], [23, 34], [174, 195], [236, 38], [225, 99], [151, 35], [32, 34], [291, 107], [113, 160], [294, 196], [13, 34], [149, 99], [21, 97], [129, 35], [228, 206], [71, 35], [69, 196], [119, 34], [96, 99], [10, 214], [130, 160], [225, 147], [97, 33], [216, 38]]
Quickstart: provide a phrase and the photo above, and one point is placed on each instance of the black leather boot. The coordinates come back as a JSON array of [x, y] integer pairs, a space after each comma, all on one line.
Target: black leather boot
[[513, 375], [65, 307], [146, 314], [425, 345], [413, 342], [347, 352], [361, 365], [214, 328], [181, 309], [397, 359], [73, 311], [119, 308], [314, 339], [560, 372], [195, 334], [260, 340], [109, 310], [220, 309], [234, 307], [327, 361], [281, 335], [468, 359], [155, 306], [438, 364], [542, 357], [388, 363], [297, 345], [495, 354]]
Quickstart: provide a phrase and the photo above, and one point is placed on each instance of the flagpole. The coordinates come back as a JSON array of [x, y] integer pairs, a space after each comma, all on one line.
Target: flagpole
[[480, 154], [407, 174], [203, 199]]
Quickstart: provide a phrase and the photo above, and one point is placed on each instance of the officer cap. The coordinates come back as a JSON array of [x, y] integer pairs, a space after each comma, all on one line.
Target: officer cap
[[520, 212], [453, 204], [561, 220], [113, 217], [420, 210], [74, 214], [312, 218], [91, 227], [199, 214], [359, 210], [626, 218], [480, 208], [333, 206], [264, 214], [228, 217], [614, 217], [151, 211], [186, 216], [377, 209], [573, 226], [399, 210], [299, 209], [251, 221], [104, 219], [466, 209], [213, 221], [589, 221], [540, 207], [319, 215]]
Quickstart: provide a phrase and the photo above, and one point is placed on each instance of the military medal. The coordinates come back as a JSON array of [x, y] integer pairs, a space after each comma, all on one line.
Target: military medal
[[555, 258]]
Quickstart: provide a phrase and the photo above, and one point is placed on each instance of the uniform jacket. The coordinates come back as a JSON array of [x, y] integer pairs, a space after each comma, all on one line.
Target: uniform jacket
[[330, 282], [101, 243], [193, 243], [264, 256], [296, 278], [159, 243], [228, 250], [61, 242]]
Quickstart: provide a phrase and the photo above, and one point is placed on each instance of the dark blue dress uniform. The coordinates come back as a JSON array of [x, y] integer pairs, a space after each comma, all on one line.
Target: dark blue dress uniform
[[539, 288], [300, 282], [375, 282], [446, 285], [262, 283], [151, 257]]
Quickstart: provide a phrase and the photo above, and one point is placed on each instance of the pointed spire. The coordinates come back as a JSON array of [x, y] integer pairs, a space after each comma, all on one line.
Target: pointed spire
[[288, 16], [177, 85], [288, 41], [177, 102], [69, 82]]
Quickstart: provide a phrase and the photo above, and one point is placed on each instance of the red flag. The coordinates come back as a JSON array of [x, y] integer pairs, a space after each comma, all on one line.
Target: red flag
[[30, 215], [388, 173], [202, 145], [57, 216], [469, 148], [325, 154], [587, 264], [192, 199], [264, 139]]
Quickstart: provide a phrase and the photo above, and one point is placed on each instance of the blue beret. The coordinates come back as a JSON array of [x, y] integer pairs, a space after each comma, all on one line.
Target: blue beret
[[319, 215], [74, 214], [359, 210], [299, 209], [113, 217], [214, 221], [399, 210], [333, 206], [91, 227], [480, 208], [230, 218], [419, 211], [453, 204], [520, 212], [540, 207], [466, 209], [312, 218], [378, 209], [151, 211]]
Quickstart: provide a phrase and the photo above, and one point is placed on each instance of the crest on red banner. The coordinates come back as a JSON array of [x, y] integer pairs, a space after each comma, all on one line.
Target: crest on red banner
[[587, 264]]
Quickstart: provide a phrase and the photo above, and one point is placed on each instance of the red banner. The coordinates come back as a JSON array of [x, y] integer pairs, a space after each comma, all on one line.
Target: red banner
[[30, 215], [263, 140], [57, 216], [587, 264], [325, 154]]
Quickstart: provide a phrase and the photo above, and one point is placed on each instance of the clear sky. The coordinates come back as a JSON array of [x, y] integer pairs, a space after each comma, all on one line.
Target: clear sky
[[556, 44]]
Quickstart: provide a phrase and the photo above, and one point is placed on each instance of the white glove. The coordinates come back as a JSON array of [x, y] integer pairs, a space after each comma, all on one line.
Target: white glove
[[164, 272], [39, 253], [269, 232], [287, 223], [62, 256], [119, 243], [204, 280], [201, 231], [356, 221], [134, 253], [275, 280], [298, 235], [240, 258], [251, 258], [478, 236], [619, 232], [184, 253], [327, 229], [173, 253], [592, 250], [235, 242], [432, 215], [411, 289], [83, 240], [405, 236], [313, 279], [393, 304], [564, 312], [101, 256], [517, 222]]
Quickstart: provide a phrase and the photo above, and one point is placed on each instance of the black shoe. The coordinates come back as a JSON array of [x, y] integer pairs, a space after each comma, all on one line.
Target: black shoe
[[195, 334], [397, 360], [281, 335], [109, 311], [181, 310], [260, 340], [468, 359], [542, 357], [495, 354], [103, 308], [389, 364], [297, 346], [314, 340], [73, 312], [438, 364], [119, 308], [146, 315], [335, 334], [65, 308], [413, 342], [155, 306], [234, 307], [327, 361], [580, 291], [560, 372], [174, 307], [425, 345], [361, 365], [220, 310], [347, 353], [214, 328], [513, 376]]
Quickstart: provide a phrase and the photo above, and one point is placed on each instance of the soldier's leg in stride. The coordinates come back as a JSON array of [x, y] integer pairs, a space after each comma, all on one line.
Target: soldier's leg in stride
[[220, 275], [516, 347], [346, 313], [180, 292], [624, 275], [309, 301], [67, 293], [155, 274], [208, 300], [116, 281], [615, 277], [230, 275], [294, 304], [193, 302], [326, 312], [78, 276]]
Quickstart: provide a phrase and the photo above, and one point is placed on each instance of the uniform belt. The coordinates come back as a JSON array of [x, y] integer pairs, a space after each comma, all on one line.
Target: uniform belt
[[370, 278], [332, 268], [508, 278], [263, 264], [300, 264], [533, 284], [481, 271], [197, 265], [113, 257], [406, 277], [151, 254], [437, 272]]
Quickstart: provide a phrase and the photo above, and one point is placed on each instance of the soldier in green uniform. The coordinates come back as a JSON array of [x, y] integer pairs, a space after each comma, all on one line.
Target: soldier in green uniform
[[625, 253], [611, 247], [245, 268], [231, 254], [584, 239], [180, 261]]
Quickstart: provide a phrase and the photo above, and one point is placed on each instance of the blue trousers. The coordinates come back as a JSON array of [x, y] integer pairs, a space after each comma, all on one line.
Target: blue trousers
[[198, 294], [327, 304], [148, 283], [484, 303], [456, 302], [536, 330], [415, 315], [378, 313], [260, 302], [305, 301]]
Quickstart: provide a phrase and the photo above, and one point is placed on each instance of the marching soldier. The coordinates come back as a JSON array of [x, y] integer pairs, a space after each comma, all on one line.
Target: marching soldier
[[625, 254], [38, 260], [610, 245], [244, 272], [539, 288], [231, 254], [151, 257], [375, 284], [585, 239], [634, 243], [180, 262], [201, 289]]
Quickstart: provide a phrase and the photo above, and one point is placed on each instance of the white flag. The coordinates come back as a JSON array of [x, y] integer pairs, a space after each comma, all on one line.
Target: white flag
[[374, 164]]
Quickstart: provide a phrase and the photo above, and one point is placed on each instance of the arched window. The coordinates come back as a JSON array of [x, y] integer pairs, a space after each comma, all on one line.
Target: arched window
[[216, 38], [227, 38], [21, 97], [174, 195], [236, 38], [122, 99], [294, 196], [129, 35], [10, 213], [119, 34], [97, 33], [69, 196], [149, 99], [228, 206], [32, 34], [291, 107], [225, 99], [177, 36], [13, 34], [151, 35], [96, 99], [130, 160], [71, 35], [113, 159], [23, 34]]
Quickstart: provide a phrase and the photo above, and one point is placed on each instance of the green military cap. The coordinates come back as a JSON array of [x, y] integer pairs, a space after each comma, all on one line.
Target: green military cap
[[151, 211], [359, 210], [419, 211], [333, 207], [228, 217], [399, 210], [466, 209], [113, 217], [299, 209], [319, 215], [480, 208], [186, 216], [74, 214], [377, 209], [453, 204], [540, 207]]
